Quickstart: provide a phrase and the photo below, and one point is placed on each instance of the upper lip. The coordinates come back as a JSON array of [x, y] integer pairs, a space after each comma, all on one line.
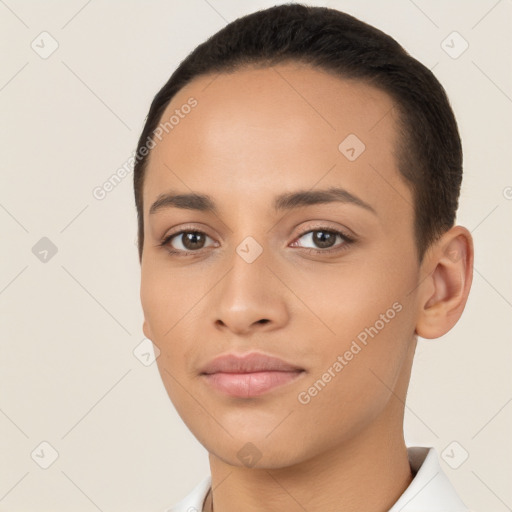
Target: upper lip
[[247, 363]]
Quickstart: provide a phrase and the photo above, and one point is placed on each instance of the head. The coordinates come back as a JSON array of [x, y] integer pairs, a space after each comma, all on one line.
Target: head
[[287, 124]]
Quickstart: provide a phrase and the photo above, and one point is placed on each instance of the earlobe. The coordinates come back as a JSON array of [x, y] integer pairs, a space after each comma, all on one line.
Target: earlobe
[[443, 294]]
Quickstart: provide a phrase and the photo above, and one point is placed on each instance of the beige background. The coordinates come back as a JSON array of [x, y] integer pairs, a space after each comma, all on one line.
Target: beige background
[[69, 325]]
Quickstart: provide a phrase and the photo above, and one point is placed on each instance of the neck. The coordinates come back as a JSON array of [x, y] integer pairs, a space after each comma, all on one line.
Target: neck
[[369, 472]]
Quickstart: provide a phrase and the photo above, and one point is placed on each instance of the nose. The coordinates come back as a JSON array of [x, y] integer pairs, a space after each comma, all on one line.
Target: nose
[[249, 298]]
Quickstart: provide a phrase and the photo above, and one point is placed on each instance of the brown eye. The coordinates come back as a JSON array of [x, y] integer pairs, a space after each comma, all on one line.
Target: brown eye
[[192, 240], [324, 239], [185, 242]]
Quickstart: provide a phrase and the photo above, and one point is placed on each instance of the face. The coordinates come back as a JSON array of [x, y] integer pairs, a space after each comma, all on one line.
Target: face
[[323, 281]]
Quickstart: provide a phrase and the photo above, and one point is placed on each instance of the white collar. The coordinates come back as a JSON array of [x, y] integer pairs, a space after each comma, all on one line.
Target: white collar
[[429, 491]]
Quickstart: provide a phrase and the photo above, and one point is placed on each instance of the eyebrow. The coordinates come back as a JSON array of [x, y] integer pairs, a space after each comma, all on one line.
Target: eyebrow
[[286, 201]]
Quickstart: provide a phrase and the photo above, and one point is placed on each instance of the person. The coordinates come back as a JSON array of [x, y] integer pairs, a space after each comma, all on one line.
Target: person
[[296, 186]]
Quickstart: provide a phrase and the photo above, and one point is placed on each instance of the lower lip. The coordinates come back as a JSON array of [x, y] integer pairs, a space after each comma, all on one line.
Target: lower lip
[[246, 385]]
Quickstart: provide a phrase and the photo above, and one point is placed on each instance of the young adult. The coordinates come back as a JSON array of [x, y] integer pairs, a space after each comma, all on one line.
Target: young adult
[[296, 185]]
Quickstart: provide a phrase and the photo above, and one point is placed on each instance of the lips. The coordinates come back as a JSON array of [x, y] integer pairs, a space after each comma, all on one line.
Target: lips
[[253, 362], [250, 375]]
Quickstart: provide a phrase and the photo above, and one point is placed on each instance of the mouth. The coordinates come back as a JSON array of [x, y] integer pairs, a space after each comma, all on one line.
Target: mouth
[[250, 384]]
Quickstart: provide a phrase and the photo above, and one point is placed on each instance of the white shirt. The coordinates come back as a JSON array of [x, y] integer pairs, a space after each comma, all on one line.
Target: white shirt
[[429, 491]]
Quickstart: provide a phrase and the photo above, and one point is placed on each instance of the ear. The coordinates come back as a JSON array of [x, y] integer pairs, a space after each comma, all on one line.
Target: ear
[[147, 330], [444, 292]]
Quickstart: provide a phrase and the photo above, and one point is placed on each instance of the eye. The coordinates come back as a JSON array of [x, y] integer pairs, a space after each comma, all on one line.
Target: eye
[[186, 242], [325, 239]]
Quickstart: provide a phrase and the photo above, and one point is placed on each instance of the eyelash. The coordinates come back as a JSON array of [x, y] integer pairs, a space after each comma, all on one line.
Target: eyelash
[[348, 240]]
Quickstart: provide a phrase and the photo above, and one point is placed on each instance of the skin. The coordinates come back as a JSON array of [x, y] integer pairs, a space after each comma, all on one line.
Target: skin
[[253, 135]]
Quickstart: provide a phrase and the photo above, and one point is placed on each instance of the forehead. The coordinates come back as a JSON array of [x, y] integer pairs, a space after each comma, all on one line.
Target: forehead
[[289, 124]]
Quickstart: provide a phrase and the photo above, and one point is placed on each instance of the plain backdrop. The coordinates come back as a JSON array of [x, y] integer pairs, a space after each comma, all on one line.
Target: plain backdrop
[[73, 374]]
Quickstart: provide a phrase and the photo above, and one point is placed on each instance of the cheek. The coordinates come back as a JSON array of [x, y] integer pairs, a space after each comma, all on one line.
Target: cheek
[[356, 302], [168, 300], [378, 288], [372, 317], [164, 298]]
